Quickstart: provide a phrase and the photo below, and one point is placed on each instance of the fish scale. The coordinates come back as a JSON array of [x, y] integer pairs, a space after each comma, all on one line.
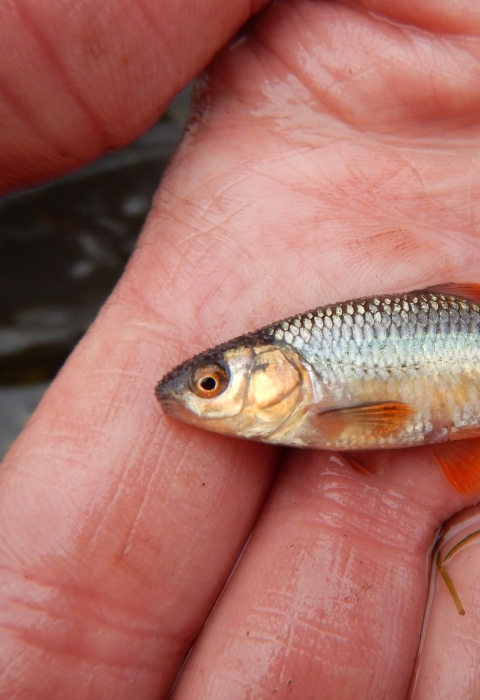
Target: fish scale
[[377, 327]]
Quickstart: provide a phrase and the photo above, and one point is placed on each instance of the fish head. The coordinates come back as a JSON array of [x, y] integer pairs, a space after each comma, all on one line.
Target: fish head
[[242, 388]]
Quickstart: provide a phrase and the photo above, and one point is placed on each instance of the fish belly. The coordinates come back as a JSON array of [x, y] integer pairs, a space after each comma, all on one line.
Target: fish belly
[[443, 398]]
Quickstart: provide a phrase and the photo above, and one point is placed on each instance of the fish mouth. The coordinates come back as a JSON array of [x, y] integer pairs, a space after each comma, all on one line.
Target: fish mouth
[[163, 390], [174, 408], [169, 406]]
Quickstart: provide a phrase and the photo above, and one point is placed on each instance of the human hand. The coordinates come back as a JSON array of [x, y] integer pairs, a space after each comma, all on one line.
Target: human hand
[[333, 154]]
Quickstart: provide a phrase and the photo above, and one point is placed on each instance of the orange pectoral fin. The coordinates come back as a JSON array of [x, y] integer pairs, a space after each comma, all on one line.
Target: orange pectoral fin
[[382, 419], [464, 290], [460, 461]]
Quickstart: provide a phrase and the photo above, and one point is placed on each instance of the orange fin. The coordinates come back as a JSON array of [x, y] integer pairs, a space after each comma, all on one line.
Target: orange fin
[[357, 464], [460, 461], [464, 290], [372, 418]]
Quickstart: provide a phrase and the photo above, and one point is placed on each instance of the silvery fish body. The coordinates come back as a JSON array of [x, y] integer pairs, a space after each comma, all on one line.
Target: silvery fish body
[[420, 349], [381, 372]]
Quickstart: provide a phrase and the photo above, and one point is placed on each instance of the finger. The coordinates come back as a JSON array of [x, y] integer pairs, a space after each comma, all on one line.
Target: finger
[[331, 589], [118, 529], [434, 15], [80, 79], [450, 642], [399, 73]]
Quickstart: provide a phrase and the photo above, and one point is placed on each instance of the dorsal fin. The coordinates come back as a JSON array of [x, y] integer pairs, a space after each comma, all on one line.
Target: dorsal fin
[[464, 290]]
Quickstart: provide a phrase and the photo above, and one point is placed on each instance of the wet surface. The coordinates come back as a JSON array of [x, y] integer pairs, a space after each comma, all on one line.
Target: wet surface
[[63, 247]]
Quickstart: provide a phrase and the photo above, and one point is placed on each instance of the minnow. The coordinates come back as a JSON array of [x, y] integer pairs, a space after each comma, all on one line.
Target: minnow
[[381, 372], [387, 371]]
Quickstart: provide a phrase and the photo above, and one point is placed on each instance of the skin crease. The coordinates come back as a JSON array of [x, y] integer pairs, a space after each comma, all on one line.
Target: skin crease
[[333, 153]]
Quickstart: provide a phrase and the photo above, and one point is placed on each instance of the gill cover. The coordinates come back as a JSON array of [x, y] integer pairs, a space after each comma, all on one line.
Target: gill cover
[[279, 393]]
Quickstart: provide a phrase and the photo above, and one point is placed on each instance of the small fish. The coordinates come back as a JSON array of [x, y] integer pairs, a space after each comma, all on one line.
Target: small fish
[[382, 372]]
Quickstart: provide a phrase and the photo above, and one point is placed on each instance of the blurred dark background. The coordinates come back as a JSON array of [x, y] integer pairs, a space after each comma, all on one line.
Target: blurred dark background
[[63, 247]]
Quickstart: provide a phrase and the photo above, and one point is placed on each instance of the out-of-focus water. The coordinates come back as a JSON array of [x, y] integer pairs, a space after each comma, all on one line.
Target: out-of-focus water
[[63, 247]]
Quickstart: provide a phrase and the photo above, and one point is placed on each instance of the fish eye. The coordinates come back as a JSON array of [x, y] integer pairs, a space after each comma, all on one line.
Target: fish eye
[[209, 381]]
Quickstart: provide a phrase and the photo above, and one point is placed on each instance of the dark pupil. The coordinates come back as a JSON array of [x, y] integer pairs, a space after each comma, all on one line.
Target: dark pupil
[[208, 383]]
